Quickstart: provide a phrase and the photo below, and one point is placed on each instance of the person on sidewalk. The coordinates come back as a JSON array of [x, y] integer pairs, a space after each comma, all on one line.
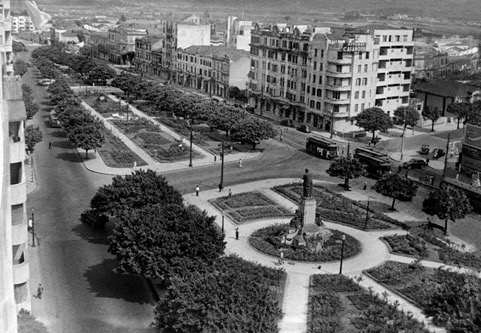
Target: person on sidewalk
[[30, 224], [215, 158], [197, 190], [39, 291], [230, 193], [49, 145], [281, 258], [237, 233], [240, 162], [365, 186], [220, 187]]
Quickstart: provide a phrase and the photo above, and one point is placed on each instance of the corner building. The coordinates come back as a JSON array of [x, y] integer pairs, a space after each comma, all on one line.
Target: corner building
[[324, 77]]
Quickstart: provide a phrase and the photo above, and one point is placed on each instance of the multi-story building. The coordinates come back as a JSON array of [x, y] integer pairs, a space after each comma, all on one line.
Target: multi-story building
[[122, 41], [148, 57], [324, 77], [238, 33], [22, 23], [212, 69], [396, 60], [14, 267]]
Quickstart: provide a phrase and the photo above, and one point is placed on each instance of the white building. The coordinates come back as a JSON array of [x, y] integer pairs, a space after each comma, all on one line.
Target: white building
[[22, 23], [238, 33]]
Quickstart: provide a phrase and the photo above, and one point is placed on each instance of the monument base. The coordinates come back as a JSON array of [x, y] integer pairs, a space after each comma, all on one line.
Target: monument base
[[307, 209]]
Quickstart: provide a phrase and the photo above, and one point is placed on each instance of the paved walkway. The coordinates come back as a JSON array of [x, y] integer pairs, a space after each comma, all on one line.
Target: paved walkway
[[95, 163]]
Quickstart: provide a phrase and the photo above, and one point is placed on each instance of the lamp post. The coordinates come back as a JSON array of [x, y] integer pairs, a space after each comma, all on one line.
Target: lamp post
[[367, 213], [221, 185], [402, 135], [342, 252], [190, 151], [222, 223], [33, 227], [332, 124]]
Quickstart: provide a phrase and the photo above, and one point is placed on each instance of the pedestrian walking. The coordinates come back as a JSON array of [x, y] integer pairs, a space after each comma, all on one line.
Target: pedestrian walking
[[135, 164], [427, 161], [197, 190], [39, 291], [365, 186], [240, 162], [230, 193], [281, 258], [343, 147], [215, 158], [30, 224], [49, 145], [280, 137], [237, 233]]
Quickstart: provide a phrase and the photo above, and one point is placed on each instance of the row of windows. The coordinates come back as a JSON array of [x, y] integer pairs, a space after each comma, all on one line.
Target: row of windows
[[393, 38]]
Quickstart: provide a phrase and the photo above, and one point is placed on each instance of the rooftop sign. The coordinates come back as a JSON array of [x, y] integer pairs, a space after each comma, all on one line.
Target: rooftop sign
[[354, 47]]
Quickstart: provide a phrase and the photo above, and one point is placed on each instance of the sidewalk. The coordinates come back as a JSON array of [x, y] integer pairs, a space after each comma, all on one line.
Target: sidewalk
[[96, 164]]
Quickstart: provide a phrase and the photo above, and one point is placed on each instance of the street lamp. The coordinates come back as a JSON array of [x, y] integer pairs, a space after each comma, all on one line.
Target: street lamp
[[342, 252], [222, 223], [33, 227], [190, 151], [367, 213], [332, 124], [221, 185]]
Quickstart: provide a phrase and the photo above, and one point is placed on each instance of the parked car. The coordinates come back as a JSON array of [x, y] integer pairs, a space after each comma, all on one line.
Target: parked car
[[287, 122], [424, 150], [415, 163], [304, 128], [438, 152]]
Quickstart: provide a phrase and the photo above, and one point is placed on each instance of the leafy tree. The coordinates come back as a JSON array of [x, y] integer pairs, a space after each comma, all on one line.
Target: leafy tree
[[233, 92], [252, 130], [33, 135], [374, 119], [122, 18], [133, 192], [130, 57], [460, 110], [447, 204], [397, 187], [161, 240], [20, 67], [31, 108], [18, 47], [223, 299], [346, 168], [406, 116], [432, 114], [100, 74], [88, 135]]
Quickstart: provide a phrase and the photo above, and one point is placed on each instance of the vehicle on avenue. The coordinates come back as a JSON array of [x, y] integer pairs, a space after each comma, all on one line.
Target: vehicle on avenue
[[415, 163], [53, 120], [287, 122], [322, 147], [377, 163], [438, 152], [424, 150], [304, 128]]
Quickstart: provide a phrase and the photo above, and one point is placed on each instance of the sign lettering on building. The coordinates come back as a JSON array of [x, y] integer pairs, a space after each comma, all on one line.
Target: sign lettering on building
[[354, 47]]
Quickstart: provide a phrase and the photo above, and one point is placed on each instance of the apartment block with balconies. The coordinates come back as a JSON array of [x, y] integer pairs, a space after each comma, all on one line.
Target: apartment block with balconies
[[148, 54], [396, 63]]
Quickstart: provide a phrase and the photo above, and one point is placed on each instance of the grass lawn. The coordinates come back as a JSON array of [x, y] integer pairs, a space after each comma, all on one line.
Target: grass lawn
[[117, 155], [243, 207], [105, 107]]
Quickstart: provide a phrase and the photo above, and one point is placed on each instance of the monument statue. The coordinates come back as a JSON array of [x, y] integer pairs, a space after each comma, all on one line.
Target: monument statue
[[307, 186]]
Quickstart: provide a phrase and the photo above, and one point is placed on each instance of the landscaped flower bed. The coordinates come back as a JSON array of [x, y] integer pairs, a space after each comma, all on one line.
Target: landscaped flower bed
[[117, 155], [335, 207], [407, 244], [338, 305], [453, 300], [269, 241], [249, 206], [135, 125], [105, 106]]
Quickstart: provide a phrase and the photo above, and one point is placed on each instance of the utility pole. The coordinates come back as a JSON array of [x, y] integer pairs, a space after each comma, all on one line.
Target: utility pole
[[221, 185], [190, 152], [446, 156], [33, 227]]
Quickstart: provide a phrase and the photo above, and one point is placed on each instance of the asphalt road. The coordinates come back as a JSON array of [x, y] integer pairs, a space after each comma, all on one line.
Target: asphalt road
[[82, 293]]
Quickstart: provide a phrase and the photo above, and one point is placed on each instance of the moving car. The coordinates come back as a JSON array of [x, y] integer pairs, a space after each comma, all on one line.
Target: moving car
[[415, 163], [438, 152], [287, 122], [304, 128], [424, 150]]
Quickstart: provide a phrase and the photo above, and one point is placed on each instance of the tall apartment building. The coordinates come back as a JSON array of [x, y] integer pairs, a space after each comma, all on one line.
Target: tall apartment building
[[238, 33], [212, 69], [22, 23], [14, 267], [148, 55], [324, 77]]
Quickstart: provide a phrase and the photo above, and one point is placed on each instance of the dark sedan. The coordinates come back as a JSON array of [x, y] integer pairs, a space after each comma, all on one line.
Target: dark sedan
[[415, 163]]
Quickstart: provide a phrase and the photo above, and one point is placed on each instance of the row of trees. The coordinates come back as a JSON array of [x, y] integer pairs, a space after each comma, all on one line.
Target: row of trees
[[446, 203], [236, 122], [90, 71], [83, 130], [31, 106], [468, 112], [156, 236]]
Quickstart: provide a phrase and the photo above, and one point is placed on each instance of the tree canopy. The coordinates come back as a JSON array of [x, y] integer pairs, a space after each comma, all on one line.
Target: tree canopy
[[87, 135], [346, 168], [20, 67], [432, 114], [406, 116], [460, 110], [33, 135], [134, 191], [447, 204], [252, 130], [374, 119], [158, 241], [396, 187]]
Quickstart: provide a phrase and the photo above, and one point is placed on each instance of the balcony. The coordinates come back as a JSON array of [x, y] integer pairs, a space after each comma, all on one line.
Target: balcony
[[343, 61], [338, 88], [337, 115], [333, 101], [17, 149], [21, 272], [18, 192], [338, 74], [19, 233]]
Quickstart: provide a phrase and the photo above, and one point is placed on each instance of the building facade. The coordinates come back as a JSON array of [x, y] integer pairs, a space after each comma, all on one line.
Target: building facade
[[238, 33], [22, 23], [14, 264], [324, 77], [148, 51], [212, 69]]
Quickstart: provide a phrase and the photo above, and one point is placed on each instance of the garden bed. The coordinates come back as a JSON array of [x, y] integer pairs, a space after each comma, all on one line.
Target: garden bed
[[452, 300], [335, 207], [338, 305], [247, 206], [106, 107], [268, 240], [116, 154]]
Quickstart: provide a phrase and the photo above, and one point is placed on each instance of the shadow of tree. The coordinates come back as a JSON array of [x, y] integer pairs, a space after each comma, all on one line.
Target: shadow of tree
[[94, 236], [104, 282], [59, 134], [70, 157]]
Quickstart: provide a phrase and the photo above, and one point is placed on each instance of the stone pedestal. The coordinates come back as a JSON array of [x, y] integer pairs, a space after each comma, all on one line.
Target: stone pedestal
[[307, 209]]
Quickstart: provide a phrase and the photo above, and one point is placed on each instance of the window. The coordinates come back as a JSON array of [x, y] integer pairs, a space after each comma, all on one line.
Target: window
[[314, 79], [339, 68], [356, 95], [365, 68], [397, 38], [336, 95], [319, 92], [364, 82], [360, 55], [320, 79], [356, 108], [364, 94], [315, 65], [358, 82], [322, 53], [359, 68], [311, 104], [318, 105], [384, 38], [405, 38], [339, 55], [313, 93], [362, 106], [320, 66], [315, 52], [367, 55]]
